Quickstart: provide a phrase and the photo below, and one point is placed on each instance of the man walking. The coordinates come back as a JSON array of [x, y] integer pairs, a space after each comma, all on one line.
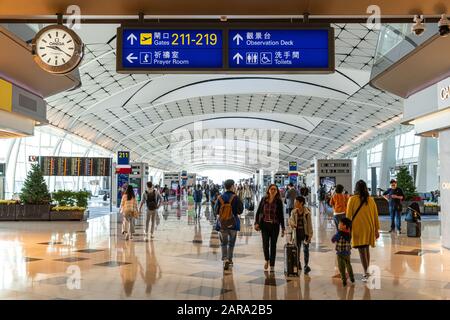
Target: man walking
[[394, 196], [289, 199], [228, 208], [152, 198], [198, 196]]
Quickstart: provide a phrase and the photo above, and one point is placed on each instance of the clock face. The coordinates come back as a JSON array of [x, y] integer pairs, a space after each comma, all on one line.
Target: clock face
[[57, 49]]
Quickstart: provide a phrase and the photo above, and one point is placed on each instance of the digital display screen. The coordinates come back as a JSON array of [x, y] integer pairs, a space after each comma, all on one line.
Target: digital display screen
[[75, 166]]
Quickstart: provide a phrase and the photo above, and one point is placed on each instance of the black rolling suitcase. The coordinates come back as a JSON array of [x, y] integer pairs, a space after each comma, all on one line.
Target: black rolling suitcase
[[414, 229], [291, 258]]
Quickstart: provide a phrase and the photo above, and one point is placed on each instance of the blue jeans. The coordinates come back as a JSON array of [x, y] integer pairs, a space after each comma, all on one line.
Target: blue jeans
[[198, 208], [227, 240], [395, 218]]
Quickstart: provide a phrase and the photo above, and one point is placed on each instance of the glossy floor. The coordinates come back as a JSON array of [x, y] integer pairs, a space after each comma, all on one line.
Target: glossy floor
[[90, 260]]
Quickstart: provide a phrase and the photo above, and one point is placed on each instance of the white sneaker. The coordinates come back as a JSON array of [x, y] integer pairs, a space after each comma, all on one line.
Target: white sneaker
[[272, 268], [365, 278]]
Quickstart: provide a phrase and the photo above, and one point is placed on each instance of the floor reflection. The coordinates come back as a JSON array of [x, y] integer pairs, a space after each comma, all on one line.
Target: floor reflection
[[36, 257]]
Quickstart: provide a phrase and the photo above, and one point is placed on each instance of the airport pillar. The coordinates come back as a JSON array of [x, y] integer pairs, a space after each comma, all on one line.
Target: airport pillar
[[388, 163], [427, 165], [361, 166], [444, 155]]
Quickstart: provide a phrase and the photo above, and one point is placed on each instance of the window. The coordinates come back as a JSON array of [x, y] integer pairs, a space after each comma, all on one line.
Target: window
[[374, 155], [407, 146]]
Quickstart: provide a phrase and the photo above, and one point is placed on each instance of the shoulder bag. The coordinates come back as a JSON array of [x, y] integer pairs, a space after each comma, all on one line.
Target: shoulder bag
[[357, 211]]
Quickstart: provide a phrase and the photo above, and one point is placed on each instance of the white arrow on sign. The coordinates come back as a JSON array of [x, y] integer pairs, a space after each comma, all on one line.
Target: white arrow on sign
[[132, 38], [130, 58], [238, 57], [238, 38]]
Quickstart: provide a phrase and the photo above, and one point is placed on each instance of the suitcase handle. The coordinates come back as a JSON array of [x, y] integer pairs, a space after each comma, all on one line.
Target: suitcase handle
[[293, 235]]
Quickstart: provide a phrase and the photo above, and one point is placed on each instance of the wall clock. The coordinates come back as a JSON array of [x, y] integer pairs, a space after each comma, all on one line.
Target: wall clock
[[57, 49]]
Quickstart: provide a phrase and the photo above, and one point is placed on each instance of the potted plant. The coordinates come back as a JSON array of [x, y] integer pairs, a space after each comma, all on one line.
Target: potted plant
[[406, 183], [8, 209], [70, 205], [35, 197]]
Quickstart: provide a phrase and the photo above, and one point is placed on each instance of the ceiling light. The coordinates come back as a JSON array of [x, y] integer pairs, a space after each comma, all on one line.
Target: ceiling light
[[342, 149], [444, 26], [390, 121], [418, 27], [362, 136]]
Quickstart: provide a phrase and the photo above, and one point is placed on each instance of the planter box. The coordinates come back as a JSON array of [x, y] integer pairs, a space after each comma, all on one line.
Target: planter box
[[34, 212], [8, 212], [67, 215], [431, 210]]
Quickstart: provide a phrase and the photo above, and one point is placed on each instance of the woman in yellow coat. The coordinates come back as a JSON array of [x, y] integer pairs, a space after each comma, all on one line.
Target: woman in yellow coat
[[362, 210]]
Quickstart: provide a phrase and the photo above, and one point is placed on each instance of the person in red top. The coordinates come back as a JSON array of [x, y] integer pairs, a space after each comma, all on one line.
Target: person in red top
[[339, 204]]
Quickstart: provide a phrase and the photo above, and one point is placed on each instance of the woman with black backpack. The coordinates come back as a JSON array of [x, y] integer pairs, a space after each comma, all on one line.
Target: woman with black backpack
[[362, 211], [269, 217]]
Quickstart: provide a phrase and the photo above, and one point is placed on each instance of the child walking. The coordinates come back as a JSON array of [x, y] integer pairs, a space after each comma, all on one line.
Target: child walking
[[343, 250], [301, 223]]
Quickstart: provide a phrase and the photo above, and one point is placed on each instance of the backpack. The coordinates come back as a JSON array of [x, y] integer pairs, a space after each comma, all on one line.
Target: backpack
[[151, 200], [226, 217], [198, 194]]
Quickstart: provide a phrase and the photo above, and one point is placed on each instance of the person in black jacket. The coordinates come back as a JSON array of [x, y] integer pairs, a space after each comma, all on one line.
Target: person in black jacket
[[269, 218]]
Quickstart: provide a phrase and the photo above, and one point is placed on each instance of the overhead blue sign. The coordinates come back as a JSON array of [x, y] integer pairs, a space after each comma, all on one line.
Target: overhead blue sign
[[292, 166], [123, 157], [280, 48], [171, 49]]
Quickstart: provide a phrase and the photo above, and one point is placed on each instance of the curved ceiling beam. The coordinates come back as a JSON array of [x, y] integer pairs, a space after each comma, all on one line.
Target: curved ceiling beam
[[189, 141], [201, 167], [240, 87], [151, 106], [164, 160], [137, 132], [67, 130]]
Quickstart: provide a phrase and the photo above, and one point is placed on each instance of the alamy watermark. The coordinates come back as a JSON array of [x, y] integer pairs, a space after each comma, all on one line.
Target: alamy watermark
[[256, 148], [74, 17], [374, 20]]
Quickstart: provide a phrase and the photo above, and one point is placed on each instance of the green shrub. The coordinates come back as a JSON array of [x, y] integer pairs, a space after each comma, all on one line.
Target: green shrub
[[35, 189], [406, 183], [67, 198], [64, 198], [81, 198]]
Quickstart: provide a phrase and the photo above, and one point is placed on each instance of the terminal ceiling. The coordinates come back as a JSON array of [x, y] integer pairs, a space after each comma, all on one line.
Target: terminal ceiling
[[315, 115]]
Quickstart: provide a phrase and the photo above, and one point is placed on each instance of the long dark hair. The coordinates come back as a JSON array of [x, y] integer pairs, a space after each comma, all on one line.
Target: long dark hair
[[361, 191], [277, 196], [130, 192]]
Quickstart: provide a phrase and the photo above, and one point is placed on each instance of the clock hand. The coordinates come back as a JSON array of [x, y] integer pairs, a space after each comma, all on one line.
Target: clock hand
[[58, 49]]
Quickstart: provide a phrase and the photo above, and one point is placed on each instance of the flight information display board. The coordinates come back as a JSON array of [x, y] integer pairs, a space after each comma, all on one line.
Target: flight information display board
[[226, 48], [75, 166]]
